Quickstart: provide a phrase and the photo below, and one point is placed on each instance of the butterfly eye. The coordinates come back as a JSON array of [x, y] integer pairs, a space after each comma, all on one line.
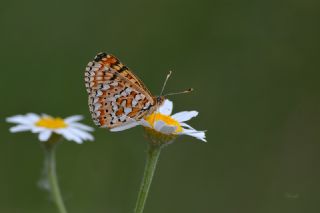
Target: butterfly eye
[[159, 99]]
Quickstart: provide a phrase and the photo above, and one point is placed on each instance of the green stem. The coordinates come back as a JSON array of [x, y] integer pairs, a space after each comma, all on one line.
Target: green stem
[[50, 166], [150, 167]]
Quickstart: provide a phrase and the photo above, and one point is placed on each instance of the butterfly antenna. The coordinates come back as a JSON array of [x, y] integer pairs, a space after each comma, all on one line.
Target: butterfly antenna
[[176, 93], [165, 82], [163, 86]]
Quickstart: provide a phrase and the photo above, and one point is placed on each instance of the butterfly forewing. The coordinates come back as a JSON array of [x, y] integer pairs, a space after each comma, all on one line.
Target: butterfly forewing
[[116, 96]]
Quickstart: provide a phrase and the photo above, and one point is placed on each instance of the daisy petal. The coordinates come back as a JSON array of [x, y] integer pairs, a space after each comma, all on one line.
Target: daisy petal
[[124, 127], [37, 129], [197, 134], [20, 128], [168, 129], [82, 134], [73, 118], [184, 116], [29, 118], [44, 115], [82, 126], [158, 125], [15, 119], [144, 123], [187, 125], [45, 135], [166, 107], [69, 135], [32, 117], [75, 138]]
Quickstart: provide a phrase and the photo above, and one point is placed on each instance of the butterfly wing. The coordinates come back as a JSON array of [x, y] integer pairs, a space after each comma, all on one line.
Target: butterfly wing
[[116, 96]]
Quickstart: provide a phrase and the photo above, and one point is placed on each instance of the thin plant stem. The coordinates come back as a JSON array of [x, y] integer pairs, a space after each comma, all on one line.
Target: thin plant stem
[[50, 165], [150, 167]]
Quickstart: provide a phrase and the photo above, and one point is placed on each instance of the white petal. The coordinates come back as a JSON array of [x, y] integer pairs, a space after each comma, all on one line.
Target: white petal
[[20, 128], [73, 118], [69, 135], [63, 133], [184, 116], [187, 125], [166, 129], [45, 135], [36, 129], [75, 138], [158, 125], [194, 133], [43, 115], [82, 126], [32, 117], [124, 127], [81, 134], [19, 119], [145, 123], [166, 107]]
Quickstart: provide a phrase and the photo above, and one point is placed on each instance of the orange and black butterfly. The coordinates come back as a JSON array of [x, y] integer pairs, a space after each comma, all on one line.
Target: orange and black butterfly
[[117, 97]]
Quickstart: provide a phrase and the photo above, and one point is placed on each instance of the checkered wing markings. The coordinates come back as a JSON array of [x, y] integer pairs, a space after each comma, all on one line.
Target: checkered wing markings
[[108, 68], [117, 105], [115, 98], [115, 64]]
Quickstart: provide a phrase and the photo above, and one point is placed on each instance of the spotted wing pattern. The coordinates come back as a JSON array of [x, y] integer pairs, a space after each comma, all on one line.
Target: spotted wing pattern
[[116, 96]]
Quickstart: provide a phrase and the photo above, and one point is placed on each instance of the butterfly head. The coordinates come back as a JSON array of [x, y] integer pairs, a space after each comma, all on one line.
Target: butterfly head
[[159, 100]]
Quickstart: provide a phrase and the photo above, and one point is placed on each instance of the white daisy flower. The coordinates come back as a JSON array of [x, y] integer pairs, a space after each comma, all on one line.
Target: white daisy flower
[[46, 125], [168, 126]]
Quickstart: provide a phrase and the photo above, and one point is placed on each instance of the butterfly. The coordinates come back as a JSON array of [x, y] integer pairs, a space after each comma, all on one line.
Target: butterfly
[[118, 99]]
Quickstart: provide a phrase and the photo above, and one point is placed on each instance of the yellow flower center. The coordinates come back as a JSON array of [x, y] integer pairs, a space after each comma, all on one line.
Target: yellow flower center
[[151, 119], [51, 123]]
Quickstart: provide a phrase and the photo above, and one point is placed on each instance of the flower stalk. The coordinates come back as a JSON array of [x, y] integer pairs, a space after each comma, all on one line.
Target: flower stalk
[[150, 167], [50, 167]]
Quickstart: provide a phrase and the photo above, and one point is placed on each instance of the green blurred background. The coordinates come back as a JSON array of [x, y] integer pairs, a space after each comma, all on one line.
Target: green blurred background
[[255, 69]]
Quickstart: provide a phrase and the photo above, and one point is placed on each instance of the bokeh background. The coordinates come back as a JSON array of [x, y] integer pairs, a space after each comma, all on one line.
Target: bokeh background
[[255, 69]]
